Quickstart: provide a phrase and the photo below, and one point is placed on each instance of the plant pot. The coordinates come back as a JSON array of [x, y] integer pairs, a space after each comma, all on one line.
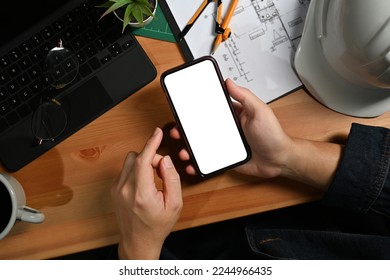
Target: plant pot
[[119, 14]]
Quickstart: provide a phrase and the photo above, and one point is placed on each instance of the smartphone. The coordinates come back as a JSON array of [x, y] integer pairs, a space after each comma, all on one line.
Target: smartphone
[[204, 113]]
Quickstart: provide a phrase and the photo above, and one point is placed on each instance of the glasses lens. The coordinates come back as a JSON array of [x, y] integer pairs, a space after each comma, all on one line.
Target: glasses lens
[[61, 67], [49, 121]]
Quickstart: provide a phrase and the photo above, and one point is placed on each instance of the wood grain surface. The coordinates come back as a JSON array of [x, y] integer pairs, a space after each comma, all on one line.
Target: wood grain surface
[[71, 182]]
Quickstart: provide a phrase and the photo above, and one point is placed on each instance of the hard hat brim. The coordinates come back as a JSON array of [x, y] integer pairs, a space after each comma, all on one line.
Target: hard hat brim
[[327, 86]]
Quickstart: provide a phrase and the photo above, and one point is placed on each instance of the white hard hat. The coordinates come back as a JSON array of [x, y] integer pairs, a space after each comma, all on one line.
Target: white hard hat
[[344, 55]]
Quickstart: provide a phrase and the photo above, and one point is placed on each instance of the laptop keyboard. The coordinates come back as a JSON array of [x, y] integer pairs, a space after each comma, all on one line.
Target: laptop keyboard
[[94, 42]]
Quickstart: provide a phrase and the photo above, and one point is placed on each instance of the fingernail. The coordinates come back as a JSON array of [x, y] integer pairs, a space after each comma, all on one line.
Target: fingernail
[[168, 162], [156, 131]]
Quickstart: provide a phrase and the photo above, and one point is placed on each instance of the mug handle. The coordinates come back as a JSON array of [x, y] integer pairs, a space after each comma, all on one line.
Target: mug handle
[[31, 215]]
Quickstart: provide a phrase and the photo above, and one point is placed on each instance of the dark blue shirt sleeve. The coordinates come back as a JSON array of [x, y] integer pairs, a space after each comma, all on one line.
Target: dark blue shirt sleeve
[[362, 180]]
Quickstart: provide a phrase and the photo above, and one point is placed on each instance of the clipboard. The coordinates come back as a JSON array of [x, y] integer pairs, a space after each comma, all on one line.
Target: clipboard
[[259, 54]]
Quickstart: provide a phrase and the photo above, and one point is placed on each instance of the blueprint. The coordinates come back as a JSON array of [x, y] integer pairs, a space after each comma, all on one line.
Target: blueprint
[[259, 53]]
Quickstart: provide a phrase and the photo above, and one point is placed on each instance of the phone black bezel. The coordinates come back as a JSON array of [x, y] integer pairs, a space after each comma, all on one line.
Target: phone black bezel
[[229, 102]]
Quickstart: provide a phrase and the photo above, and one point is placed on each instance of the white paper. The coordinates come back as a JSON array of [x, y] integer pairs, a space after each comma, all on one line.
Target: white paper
[[259, 54]]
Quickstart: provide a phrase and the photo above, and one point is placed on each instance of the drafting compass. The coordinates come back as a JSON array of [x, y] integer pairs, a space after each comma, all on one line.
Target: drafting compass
[[221, 28]]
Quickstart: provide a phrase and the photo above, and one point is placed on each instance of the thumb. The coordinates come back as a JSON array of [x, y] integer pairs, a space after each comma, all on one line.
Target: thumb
[[244, 96], [171, 184]]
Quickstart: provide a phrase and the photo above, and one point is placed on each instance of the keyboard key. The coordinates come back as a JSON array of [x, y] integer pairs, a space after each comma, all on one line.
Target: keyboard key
[[4, 78], [85, 70], [77, 11], [90, 51], [89, 36], [101, 43], [47, 33], [70, 65], [86, 6], [24, 111], [36, 56], [23, 79], [5, 61], [81, 57], [69, 18], [128, 45], [46, 47], [114, 35], [12, 87], [59, 72], [78, 27], [101, 29], [106, 59], [25, 63], [59, 25], [115, 49], [3, 94], [67, 35], [94, 63], [34, 102], [36, 87], [14, 70], [36, 40], [35, 72], [77, 44], [15, 54], [4, 108], [91, 20], [26, 47], [12, 118], [25, 94], [14, 101], [55, 57]]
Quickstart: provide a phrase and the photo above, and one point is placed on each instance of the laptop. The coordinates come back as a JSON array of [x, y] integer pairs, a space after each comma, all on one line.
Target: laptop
[[111, 67]]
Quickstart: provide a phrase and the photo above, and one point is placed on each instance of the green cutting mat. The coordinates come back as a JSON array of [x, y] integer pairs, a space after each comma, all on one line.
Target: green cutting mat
[[158, 28]]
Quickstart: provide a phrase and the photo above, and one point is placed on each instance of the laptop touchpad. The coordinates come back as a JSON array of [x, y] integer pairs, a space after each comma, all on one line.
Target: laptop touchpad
[[85, 103]]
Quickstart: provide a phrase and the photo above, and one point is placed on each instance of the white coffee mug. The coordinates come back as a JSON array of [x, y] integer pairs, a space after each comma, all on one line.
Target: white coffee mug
[[13, 205]]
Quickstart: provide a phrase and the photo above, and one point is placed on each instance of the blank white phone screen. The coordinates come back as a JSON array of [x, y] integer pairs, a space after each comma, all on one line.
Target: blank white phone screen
[[205, 116]]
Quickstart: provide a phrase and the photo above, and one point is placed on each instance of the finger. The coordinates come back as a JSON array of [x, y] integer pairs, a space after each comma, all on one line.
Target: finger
[[171, 184], [237, 107], [156, 160], [184, 155], [146, 161], [243, 96], [127, 167], [175, 133], [190, 170], [150, 149]]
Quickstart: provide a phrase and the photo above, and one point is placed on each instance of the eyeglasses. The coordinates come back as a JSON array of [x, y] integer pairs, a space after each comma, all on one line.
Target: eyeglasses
[[59, 70]]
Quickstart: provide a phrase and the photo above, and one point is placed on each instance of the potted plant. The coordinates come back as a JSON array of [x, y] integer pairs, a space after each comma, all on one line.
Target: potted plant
[[136, 13]]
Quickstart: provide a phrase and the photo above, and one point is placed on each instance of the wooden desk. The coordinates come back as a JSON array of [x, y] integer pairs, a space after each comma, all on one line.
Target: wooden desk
[[71, 183]]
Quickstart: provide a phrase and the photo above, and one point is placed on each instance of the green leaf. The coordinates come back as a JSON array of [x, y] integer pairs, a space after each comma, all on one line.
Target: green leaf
[[138, 15], [105, 5], [118, 4], [145, 3], [127, 16], [147, 11], [136, 10]]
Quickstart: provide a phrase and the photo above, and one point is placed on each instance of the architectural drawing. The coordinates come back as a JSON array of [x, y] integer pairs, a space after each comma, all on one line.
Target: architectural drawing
[[259, 44], [259, 53]]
